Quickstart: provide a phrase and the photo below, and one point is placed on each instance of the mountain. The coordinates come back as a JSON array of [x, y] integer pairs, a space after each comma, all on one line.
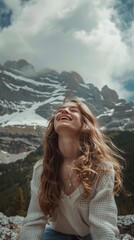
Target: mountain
[[29, 97]]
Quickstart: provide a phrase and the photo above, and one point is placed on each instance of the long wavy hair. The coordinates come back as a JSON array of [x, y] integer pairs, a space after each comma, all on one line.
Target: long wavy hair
[[94, 148]]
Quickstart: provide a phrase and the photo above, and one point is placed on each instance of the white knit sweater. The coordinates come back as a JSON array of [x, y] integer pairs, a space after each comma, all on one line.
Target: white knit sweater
[[97, 216]]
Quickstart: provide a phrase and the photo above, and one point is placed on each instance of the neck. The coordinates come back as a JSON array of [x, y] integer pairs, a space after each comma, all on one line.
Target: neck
[[68, 146]]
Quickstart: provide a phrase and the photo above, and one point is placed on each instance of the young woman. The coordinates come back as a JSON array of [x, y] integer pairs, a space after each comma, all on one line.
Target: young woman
[[72, 189]]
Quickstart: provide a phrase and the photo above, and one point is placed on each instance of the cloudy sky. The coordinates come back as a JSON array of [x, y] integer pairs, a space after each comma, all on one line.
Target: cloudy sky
[[92, 37]]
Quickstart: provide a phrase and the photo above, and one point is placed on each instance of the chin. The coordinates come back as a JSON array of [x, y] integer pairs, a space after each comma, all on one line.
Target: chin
[[62, 128], [67, 129]]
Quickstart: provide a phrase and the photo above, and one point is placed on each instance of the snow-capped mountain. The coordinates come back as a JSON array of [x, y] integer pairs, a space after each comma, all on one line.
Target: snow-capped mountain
[[28, 97]]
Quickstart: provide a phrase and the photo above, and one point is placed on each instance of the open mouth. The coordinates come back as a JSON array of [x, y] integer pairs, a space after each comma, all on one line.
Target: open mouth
[[64, 118]]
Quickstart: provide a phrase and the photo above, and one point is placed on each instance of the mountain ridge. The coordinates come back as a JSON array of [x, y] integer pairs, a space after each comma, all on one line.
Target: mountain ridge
[[28, 94]]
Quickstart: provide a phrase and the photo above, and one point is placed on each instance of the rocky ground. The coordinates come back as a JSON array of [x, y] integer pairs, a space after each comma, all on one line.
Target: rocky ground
[[9, 227]]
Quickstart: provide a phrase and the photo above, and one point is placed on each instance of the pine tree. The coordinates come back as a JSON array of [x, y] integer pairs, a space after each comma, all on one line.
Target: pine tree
[[17, 206]]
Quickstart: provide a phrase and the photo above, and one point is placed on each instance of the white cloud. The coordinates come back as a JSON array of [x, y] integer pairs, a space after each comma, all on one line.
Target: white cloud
[[70, 35]]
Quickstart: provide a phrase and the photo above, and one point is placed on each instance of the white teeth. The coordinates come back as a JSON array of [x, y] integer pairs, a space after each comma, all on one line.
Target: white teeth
[[64, 118]]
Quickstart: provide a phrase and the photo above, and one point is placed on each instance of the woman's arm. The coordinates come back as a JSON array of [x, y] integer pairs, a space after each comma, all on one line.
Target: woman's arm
[[103, 210], [34, 223]]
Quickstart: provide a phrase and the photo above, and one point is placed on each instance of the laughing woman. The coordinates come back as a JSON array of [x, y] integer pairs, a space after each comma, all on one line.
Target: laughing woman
[[73, 187]]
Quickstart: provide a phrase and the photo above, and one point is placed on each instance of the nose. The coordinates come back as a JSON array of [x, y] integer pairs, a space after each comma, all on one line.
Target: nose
[[65, 110]]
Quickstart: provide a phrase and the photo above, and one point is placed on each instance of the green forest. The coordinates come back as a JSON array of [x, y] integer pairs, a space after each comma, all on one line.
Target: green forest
[[15, 178]]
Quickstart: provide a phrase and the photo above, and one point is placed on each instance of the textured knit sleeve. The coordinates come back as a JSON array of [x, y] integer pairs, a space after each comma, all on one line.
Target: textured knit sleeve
[[34, 223], [103, 210]]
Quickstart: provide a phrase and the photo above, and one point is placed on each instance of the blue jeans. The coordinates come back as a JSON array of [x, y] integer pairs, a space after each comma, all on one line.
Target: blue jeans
[[50, 234]]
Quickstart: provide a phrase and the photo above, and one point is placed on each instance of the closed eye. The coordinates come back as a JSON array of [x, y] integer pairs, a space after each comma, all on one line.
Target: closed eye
[[71, 109], [74, 109]]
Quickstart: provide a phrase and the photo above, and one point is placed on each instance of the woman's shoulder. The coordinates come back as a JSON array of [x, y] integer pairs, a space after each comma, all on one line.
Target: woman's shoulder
[[38, 164], [37, 171], [106, 176], [105, 166]]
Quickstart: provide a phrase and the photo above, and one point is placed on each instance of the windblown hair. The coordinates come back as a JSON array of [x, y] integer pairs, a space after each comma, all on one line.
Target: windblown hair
[[94, 147]]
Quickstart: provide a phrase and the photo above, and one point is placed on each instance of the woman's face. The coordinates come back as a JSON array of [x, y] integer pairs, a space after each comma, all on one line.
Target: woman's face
[[68, 118]]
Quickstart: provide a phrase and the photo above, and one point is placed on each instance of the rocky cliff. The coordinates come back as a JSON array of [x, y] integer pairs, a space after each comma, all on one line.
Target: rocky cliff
[[27, 97]]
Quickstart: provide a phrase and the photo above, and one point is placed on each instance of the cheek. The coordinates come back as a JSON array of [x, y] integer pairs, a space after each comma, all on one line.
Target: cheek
[[79, 122], [55, 123]]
